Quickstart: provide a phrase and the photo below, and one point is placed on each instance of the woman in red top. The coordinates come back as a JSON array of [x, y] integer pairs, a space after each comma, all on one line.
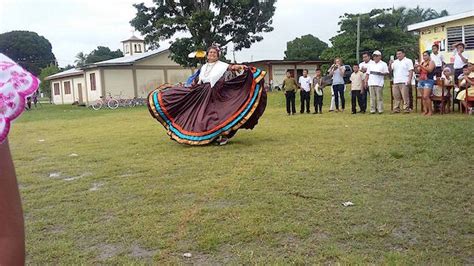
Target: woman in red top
[[426, 82]]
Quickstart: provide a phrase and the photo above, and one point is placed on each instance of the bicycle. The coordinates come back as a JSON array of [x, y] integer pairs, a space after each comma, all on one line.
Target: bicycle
[[109, 101], [125, 102]]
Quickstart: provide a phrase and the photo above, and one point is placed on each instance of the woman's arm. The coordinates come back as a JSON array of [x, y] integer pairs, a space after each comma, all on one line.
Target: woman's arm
[[12, 234], [430, 68], [237, 67]]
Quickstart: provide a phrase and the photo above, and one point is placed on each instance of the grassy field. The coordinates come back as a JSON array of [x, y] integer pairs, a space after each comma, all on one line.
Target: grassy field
[[273, 195]]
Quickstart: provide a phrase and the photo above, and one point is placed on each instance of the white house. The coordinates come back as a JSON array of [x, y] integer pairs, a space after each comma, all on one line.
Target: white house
[[134, 75]]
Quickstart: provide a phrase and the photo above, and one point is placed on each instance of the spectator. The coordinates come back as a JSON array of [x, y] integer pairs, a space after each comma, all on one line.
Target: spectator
[[337, 72], [376, 72], [460, 60], [466, 84], [35, 97], [439, 91], [426, 82], [28, 103], [290, 87], [438, 60], [363, 68], [357, 85], [304, 82], [318, 93], [402, 70]]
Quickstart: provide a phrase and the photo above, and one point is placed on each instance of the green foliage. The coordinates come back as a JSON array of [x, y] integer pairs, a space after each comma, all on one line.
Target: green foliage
[[28, 49], [101, 53], [45, 85], [307, 47], [206, 21], [81, 59], [67, 67], [386, 32]]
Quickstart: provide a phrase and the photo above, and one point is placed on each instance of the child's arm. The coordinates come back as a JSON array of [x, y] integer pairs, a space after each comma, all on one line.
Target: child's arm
[[12, 235]]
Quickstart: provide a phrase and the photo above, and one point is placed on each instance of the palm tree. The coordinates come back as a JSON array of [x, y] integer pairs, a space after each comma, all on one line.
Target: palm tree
[[80, 59]]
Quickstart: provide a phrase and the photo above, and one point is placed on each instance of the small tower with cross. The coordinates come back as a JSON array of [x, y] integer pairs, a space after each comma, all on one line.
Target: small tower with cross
[[133, 46]]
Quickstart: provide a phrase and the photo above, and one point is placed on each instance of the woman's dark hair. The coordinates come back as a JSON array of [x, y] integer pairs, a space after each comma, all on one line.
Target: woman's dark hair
[[427, 52], [212, 47]]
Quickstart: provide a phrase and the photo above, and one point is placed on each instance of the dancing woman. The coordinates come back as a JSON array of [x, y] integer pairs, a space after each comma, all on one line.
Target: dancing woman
[[221, 99]]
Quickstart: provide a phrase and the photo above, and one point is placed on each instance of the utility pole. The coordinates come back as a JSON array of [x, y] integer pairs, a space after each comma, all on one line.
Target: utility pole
[[233, 53], [358, 38]]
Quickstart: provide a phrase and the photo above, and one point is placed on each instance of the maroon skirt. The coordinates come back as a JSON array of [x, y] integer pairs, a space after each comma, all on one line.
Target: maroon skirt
[[199, 114]]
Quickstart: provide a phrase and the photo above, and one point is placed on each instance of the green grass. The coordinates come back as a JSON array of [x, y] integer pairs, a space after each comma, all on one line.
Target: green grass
[[272, 196]]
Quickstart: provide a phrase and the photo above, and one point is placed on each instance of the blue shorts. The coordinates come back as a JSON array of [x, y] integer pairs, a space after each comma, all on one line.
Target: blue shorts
[[426, 84]]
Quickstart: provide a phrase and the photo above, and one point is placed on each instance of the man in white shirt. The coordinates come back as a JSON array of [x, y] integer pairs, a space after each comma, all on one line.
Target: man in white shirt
[[363, 68], [304, 82], [460, 60], [402, 70], [438, 59], [376, 73]]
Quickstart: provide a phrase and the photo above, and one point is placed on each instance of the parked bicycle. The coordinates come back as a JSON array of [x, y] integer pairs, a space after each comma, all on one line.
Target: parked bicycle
[[109, 101]]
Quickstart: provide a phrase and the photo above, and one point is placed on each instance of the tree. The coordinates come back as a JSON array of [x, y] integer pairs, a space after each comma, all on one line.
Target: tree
[[45, 85], [206, 21], [307, 47], [102, 53], [386, 32], [67, 67], [28, 49], [81, 59]]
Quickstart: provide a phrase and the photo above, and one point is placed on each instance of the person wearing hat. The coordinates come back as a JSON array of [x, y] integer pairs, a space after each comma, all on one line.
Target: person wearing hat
[[376, 72], [460, 60]]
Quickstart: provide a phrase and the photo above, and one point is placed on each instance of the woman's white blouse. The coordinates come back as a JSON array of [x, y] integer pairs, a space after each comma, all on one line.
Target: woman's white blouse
[[212, 72]]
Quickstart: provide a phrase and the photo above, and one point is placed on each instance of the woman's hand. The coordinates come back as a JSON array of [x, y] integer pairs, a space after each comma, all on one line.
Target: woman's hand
[[238, 67]]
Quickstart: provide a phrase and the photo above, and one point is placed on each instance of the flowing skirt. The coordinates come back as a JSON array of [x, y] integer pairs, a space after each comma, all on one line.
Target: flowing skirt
[[199, 114]]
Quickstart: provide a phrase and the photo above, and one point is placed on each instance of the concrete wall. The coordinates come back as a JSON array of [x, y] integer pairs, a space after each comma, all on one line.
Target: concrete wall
[[148, 80], [79, 82], [178, 75], [57, 99], [93, 96], [64, 98], [119, 82]]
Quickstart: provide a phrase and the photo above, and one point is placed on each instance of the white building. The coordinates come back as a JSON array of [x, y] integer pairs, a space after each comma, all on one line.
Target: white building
[[134, 75]]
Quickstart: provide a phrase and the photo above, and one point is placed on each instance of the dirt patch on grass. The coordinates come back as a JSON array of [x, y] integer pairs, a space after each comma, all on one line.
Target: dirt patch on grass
[[107, 251], [141, 253]]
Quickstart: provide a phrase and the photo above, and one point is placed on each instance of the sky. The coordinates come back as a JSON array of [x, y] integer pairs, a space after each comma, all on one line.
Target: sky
[[74, 26]]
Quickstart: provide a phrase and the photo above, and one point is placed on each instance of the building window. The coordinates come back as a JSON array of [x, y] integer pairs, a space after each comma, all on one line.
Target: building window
[[463, 34], [454, 35], [67, 87], [92, 77], [469, 36], [135, 45], [127, 49], [56, 89]]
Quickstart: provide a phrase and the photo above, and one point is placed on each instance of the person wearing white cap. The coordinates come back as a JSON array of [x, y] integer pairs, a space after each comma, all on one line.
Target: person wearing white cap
[[376, 72]]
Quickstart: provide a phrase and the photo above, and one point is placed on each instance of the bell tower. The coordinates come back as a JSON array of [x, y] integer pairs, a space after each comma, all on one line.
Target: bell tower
[[133, 46]]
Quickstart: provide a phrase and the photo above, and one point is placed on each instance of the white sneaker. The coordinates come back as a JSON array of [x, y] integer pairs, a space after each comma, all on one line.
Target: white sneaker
[[222, 141]]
